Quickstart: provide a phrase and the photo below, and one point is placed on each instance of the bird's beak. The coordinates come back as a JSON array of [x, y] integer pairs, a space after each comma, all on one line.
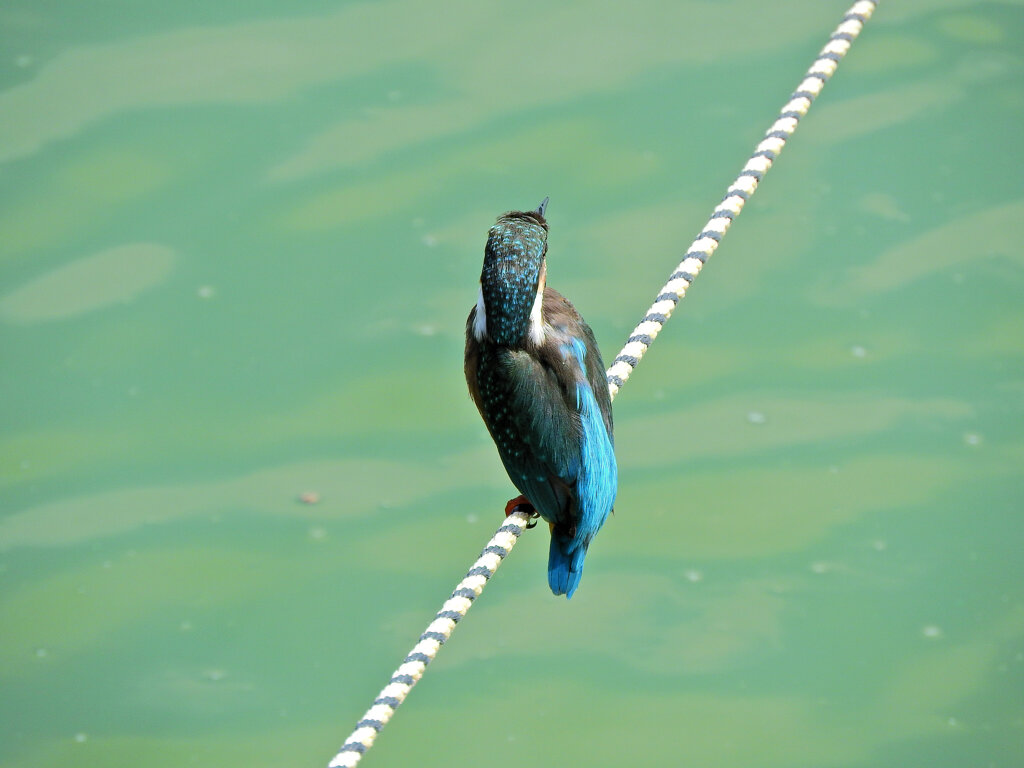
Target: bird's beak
[[543, 206]]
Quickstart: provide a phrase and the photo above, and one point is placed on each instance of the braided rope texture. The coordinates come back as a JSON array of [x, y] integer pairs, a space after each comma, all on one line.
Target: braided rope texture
[[430, 642], [467, 590], [738, 193]]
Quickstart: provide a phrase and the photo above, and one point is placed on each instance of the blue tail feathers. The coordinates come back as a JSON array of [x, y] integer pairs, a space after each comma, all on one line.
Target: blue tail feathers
[[565, 564], [595, 484]]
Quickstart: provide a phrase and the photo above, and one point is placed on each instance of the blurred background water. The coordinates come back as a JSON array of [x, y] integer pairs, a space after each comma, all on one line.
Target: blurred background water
[[238, 245]]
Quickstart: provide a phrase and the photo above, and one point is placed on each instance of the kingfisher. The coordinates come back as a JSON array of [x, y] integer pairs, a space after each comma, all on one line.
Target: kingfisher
[[537, 378]]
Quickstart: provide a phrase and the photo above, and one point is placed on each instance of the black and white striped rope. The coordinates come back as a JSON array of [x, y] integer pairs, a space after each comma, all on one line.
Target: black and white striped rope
[[467, 590], [737, 194], [430, 642]]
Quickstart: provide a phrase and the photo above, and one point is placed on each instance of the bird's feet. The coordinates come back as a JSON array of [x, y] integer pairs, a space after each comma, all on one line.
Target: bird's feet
[[521, 502]]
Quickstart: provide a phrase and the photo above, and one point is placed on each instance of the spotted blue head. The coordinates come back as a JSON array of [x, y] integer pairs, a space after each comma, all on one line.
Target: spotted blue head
[[512, 279]]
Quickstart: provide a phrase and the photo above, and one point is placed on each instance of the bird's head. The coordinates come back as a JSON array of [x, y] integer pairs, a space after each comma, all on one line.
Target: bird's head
[[512, 279]]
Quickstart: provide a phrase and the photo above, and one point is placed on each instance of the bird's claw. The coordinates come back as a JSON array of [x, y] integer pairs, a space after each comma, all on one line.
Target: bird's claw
[[521, 503]]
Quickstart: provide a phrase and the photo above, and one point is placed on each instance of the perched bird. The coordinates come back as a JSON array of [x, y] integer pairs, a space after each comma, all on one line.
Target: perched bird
[[536, 376]]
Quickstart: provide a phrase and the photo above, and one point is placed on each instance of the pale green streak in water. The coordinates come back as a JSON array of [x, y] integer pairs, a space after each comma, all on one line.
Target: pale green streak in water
[[237, 250]]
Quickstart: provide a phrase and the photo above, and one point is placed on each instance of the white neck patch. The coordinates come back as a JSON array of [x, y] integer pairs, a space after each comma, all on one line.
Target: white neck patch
[[480, 320], [536, 330]]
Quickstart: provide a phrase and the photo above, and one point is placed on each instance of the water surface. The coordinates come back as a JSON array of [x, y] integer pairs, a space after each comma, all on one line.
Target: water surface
[[237, 247]]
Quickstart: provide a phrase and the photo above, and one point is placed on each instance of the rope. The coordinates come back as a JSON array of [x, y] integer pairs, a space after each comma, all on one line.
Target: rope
[[430, 642], [737, 194]]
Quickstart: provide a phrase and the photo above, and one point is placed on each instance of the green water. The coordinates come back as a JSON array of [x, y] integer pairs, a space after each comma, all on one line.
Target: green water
[[238, 244]]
